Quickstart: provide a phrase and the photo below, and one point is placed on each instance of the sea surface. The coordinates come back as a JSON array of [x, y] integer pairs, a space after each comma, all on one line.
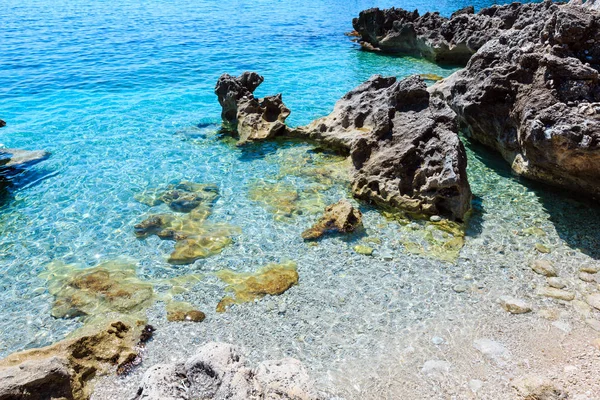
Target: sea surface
[[121, 94]]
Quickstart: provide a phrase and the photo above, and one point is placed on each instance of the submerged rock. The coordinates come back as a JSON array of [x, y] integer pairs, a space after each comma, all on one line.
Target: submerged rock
[[184, 312], [182, 197], [514, 305], [284, 200], [535, 387], [533, 94], [273, 279], [2, 123], [340, 217], [17, 159], [110, 287], [65, 369], [250, 118], [544, 267], [403, 145], [219, 371]]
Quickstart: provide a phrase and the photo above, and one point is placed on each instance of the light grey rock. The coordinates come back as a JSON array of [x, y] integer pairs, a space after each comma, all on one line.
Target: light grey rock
[[563, 326], [437, 340], [535, 387], [41, 379], [284, 379], [544, 267], [475, 385], [514, 305], [556, 282], [19, 159], [593, 300], [436, 366], [492, 349], [460, 288], [164, 382], [593, 323], [582, 308], [586, 277]]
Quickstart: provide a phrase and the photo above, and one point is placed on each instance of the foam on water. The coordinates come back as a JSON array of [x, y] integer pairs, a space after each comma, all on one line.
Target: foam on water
[[122, 95]]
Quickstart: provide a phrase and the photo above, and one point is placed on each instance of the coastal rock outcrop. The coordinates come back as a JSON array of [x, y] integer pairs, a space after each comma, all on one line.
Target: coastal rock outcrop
[[340, 217], [533, 94], [18, 159], [65, 369], [250, 118], [2, 123], [219, 371], [403, 144]]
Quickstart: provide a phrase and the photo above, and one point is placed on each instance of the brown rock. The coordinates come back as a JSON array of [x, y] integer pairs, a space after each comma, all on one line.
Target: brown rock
[[543, 267], [340, 217]]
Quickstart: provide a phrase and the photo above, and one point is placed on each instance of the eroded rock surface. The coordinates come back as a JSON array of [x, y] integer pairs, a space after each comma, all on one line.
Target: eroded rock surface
[[220, 371], [533, 94], [403, 145], [65, 369], [340, 217], [250, 118]]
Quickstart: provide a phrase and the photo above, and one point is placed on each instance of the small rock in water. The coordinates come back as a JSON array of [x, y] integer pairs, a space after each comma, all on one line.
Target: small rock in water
[[593, 323], [492, 349], [437, 340], [513, 305], [460, 288], [563, 326], [365, 250], [544, 267], [555, 293], [593, 300], [2, 123], [542, 249], [582, 308], [556, 282], [589, 268], [475, 385], [435, 218], [586, 277], [535, 387], [387, 257], [433, 366]]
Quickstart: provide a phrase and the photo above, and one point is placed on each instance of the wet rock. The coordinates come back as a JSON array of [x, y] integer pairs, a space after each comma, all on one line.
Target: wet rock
[[284, 201], [65, 369], [532, 94], [364, 250], [514, 306], [589, 268], [543, 267], [273, 279], [2, 123], [182, 197], [593, 300], [584, 276], [542, 248], [534, 387], [555, 293], [582, 308], [492, 349], [211, 240], [110, 287], [436, 366], [250, 118], [340, 217], [183, 312], [403, 146], [220, 371], [460, 288], [556, 282], [17, 159]]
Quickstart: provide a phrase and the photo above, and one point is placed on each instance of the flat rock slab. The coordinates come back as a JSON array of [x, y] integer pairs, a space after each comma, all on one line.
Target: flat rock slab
[[18, 158]]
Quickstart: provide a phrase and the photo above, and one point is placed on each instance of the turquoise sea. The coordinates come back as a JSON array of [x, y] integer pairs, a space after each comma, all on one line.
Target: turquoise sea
[[121, 94]]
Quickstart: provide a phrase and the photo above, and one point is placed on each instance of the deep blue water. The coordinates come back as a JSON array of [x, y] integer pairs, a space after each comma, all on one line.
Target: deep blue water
[[113, 91]]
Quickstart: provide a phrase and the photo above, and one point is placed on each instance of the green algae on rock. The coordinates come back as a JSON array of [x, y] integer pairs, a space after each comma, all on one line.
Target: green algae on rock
[[182, 197], [441, 240], [340, 217], [364, 250], [272, 279], [284, 201], [110, 287]]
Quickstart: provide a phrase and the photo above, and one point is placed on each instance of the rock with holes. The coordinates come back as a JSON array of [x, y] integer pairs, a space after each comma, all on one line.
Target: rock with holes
[[340, 217], [403, 144]]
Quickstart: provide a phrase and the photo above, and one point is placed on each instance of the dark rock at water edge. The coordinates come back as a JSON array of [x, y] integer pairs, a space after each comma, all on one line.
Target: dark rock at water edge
[[404, 146], [533, 94], [2, 123]]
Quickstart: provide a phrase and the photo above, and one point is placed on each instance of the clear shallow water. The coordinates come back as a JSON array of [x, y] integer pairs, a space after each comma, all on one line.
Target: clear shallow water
[[114, 91]]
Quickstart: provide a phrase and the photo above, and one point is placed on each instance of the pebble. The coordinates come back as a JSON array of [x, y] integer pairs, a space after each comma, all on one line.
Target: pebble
[[492, 349], [593, 300], [387, 257], [365, 250], [590, 269], [582, 308], [282, 308], [542, 249], [433, 366], [556, 282], [475, 385], [555, 293], [460, 288], [543, 267], [513, 305], [586, 277], [437, 340], [435, 218]]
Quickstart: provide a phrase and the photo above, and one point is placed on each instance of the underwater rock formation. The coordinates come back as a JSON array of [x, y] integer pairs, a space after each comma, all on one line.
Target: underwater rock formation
[[340, 217], [533, 94], [110, 287], [220, 371], [283, 200], [403, 145], [183, 312], [182, 197], [65, 369], [273, 279], [17, 159], [250, 118]]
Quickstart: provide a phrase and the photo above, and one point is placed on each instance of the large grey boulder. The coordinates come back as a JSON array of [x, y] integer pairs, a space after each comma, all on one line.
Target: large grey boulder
[[43, 379], [533, 94], [403, 144], [218, 372]]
